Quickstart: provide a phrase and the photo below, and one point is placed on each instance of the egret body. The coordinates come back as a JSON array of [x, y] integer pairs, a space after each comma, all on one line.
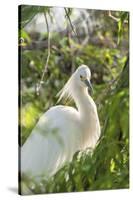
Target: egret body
[[62, 130]]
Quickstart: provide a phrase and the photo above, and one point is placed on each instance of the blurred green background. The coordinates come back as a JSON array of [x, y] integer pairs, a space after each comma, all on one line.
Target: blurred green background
[[99, 39]]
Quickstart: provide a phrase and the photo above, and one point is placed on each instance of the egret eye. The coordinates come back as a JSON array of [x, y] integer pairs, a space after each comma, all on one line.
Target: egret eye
[[82, 78]]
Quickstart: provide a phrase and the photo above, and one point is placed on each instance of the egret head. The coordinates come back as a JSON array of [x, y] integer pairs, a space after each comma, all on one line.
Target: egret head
[[83, 76], [80, 79]]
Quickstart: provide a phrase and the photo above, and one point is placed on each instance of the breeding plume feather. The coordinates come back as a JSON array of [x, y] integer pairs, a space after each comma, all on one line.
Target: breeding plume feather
[[62, 130]]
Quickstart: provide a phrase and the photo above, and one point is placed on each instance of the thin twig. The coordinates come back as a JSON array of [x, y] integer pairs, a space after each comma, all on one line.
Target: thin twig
[[48, 56], [73, 29], [115, 18]]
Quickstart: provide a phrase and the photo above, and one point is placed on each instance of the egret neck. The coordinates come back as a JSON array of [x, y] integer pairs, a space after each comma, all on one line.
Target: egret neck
[[88, 117], [84, 102]]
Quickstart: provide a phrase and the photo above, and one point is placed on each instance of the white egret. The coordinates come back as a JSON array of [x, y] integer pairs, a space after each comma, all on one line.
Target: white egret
[[62, 130]]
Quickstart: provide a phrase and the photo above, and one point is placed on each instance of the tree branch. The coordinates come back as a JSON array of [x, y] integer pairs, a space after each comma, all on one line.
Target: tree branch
[[70, 22], [115, 18], [47, 60]]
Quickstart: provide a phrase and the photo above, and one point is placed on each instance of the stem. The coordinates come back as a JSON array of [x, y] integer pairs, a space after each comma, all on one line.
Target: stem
[[115, 18], [48, 56], [73, 29]]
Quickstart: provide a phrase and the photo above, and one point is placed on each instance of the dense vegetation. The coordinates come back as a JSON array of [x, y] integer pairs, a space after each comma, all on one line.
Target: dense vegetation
[[105, 51]]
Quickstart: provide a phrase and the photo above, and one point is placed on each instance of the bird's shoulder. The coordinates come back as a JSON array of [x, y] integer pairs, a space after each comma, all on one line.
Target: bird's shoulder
[[57, 117], [60, 113], [62, 110]]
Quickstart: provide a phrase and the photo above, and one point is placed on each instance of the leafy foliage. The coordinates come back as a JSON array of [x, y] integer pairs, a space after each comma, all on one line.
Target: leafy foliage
[[27, 13], [107, 167], [123, 17]]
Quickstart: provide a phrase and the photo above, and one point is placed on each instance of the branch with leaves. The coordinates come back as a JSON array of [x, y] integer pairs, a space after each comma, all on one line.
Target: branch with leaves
[[70, 22], [45, 70], [115, 18]]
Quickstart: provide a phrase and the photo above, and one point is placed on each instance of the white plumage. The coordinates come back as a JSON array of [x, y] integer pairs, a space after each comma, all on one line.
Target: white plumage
[[62, 130]]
